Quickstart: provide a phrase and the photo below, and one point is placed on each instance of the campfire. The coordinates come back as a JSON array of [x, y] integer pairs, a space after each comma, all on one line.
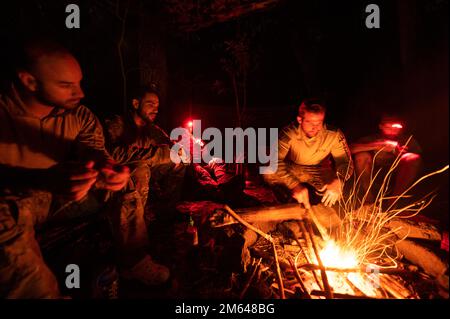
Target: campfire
[[357, 252]]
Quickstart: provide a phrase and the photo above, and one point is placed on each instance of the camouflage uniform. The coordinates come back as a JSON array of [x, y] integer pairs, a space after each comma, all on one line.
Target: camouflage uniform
[[147, 151], [29, 143], [309, 160]]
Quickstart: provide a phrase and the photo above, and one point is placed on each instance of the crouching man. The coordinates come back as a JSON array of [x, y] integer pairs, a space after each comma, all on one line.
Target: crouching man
[[312, 156]]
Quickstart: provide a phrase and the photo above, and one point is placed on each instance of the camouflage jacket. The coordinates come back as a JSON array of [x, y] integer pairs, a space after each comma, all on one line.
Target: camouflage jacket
[[130, 145], [295, 147]]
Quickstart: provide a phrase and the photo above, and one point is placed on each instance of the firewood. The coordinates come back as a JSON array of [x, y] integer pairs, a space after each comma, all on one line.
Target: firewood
[[309, 248], [404, 228], [326, 285], [299, 279], [340, 296], [250, 279], [279, 278], [246, 224], [394, 288], [261, 214], [267, 237]]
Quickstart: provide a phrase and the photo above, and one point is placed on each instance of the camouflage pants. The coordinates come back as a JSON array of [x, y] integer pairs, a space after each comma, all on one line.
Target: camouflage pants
[[23, 272]]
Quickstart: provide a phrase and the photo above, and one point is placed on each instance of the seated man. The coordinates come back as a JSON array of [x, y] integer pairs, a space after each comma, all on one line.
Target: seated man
[[305, 151], [52, 162], [135, 138], [390, 143]]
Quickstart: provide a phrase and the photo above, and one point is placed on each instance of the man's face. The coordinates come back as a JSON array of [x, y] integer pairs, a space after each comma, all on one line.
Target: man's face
[[148, 108], [391, 129], [311, 123], [58, 81]]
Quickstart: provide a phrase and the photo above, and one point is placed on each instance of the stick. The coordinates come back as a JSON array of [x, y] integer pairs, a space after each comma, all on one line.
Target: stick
[[246, 224], [249, 281], [264, 235], [326, 285], [280, 280], [299, 279], [308, 243]]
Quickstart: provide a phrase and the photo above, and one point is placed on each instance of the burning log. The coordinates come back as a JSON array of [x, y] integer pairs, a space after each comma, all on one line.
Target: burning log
[[299, 279], [390, 271], [339, 296], [326, 285], [393, 287], [309, 246]]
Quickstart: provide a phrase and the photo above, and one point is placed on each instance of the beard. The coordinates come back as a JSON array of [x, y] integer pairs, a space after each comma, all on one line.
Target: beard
[[47, 99], [148, 118]]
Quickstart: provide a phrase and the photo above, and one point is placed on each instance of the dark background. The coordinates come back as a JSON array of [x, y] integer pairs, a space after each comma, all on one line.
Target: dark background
[[277, 55]]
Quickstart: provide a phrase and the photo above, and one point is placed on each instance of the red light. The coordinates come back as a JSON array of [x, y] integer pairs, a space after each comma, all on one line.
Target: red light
[[190, 124], [397, 125]]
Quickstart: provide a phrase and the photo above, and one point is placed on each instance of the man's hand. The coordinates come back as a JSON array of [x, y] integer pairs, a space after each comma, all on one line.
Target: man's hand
[[72, 181], [113, 177], [333, 192], [300, 193]]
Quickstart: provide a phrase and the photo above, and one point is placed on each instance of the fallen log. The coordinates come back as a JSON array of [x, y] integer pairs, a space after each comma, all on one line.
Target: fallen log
[[325, 218], [404, 228], [426, 259], [260, 214]]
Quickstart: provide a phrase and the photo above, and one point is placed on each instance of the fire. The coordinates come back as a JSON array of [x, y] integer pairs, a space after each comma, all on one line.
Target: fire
[[336, 257]]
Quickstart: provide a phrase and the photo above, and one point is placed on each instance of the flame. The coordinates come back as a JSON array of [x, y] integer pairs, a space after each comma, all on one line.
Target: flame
[[334, 256], [397, 125]]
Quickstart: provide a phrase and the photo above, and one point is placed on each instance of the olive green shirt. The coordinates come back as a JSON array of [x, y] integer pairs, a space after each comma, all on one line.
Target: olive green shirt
[[29, 142], [295, 147]]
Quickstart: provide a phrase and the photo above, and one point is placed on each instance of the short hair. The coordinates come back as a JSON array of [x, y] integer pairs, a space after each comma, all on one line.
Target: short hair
[[31, 49], [139, 91], [311, 105]]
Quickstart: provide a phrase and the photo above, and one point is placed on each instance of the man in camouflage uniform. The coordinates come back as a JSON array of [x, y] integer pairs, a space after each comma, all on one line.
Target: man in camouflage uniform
[[53, 165], [310, 152], [135, 140]]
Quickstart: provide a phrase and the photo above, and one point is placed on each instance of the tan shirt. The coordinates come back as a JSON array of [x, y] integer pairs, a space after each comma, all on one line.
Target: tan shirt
[[29, 142], [295, 147]]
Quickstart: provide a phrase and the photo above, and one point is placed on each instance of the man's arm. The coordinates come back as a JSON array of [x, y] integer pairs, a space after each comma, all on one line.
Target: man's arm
[[90, 141], [90, 146], [369, 144]]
